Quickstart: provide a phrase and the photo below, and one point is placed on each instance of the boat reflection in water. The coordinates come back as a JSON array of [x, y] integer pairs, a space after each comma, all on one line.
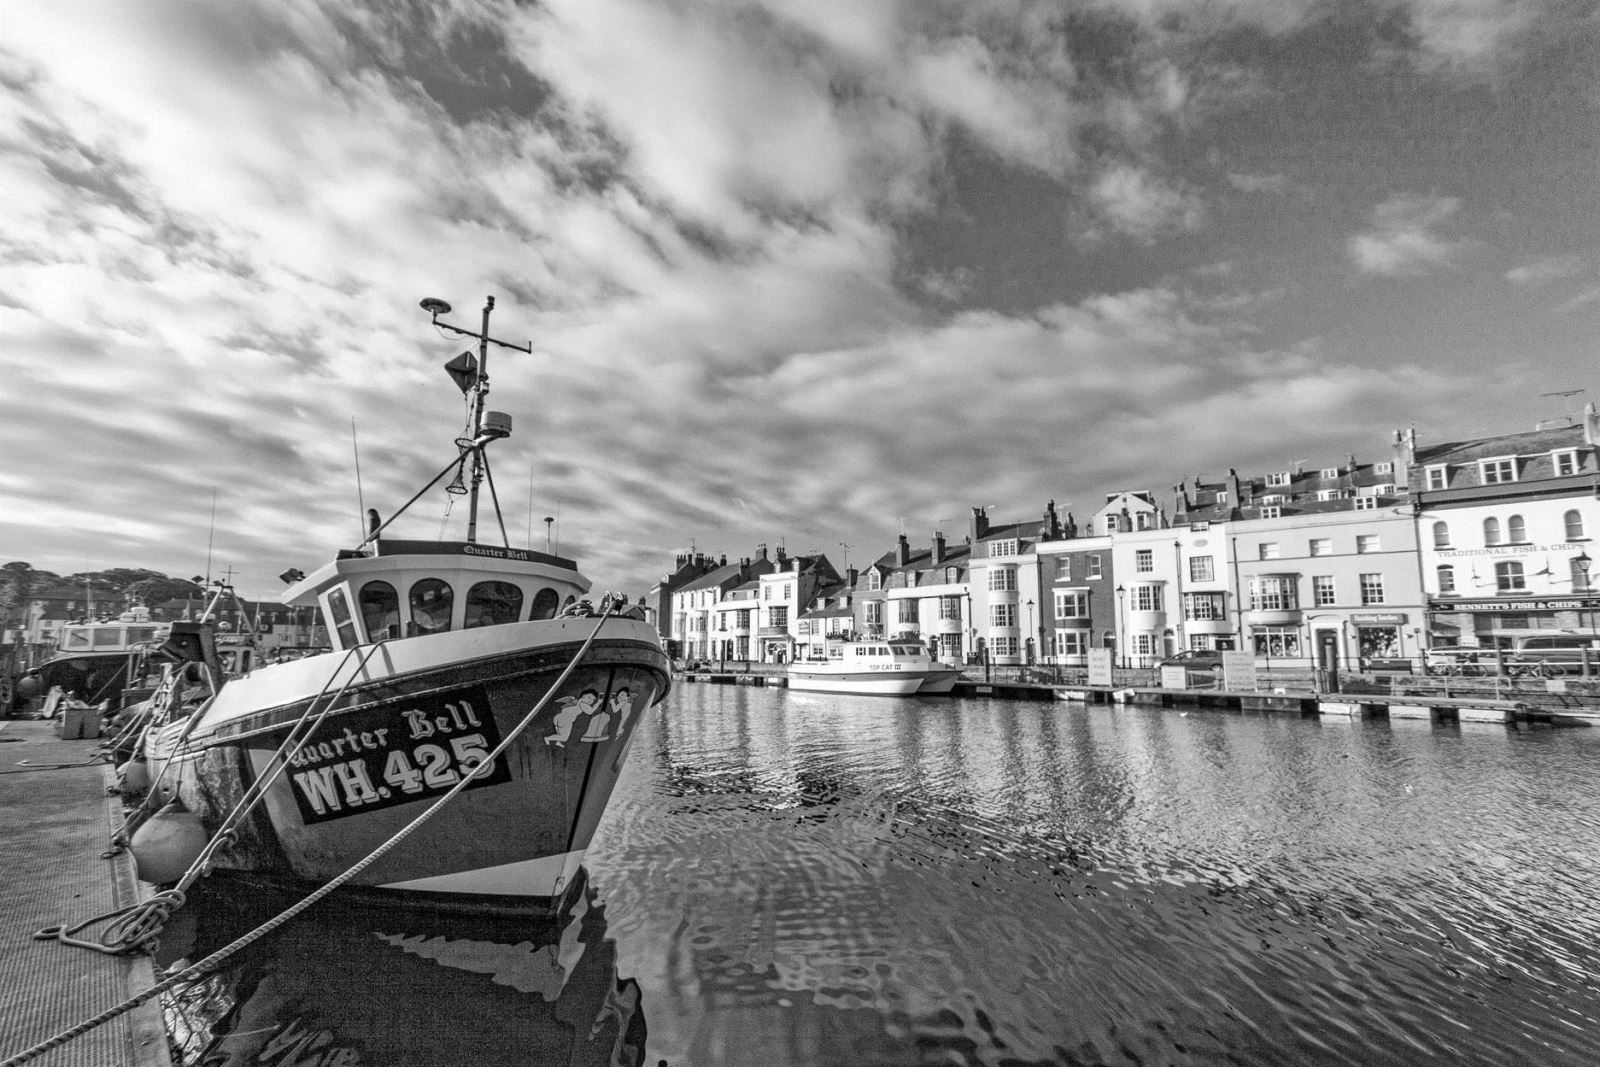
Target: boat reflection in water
[[362, 983]]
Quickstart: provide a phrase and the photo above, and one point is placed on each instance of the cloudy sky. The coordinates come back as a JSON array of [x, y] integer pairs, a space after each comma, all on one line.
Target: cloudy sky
[[801, 271]]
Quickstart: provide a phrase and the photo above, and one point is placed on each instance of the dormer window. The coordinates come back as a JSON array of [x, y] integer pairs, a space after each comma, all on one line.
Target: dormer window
[[874, 580], [1498, 471], [1272, 511], [1566, 461], [1330, 472], [1437, 477], [1278, 478], [1383, 468], [1003, 548]]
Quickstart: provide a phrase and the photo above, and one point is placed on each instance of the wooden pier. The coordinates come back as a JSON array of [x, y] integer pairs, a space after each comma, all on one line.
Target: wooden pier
[[59, 819]]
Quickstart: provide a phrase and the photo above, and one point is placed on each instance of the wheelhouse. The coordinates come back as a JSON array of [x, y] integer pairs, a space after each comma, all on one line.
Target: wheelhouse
[[412, 588]]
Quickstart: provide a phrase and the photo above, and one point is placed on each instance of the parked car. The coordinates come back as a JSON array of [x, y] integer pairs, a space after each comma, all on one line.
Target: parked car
[[1195, 659]]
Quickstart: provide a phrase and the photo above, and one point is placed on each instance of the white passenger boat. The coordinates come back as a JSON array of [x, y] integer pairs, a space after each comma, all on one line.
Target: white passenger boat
[[443, 652], [896, 667]]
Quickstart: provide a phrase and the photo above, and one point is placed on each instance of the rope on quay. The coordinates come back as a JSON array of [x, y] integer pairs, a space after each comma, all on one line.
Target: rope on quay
[[197, 970]]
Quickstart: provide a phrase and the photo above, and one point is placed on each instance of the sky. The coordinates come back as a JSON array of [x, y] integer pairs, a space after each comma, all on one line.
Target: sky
[[809, 273]]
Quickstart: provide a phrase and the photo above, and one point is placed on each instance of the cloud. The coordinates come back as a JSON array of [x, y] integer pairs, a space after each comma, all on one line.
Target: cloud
[[1143, 205], [1543, 271], [1403, 237]]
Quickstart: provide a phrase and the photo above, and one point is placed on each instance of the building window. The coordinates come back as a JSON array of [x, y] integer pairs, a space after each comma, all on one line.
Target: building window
[[1003, 548], [1142, 520], [873, 616], [1441, 535], [1145, 597], [1565, 462], [1267, 550], [1367, 543], [1371, 589], [1272, 512], [1270, 641], [908, 611], [1064, 569], [1322, 590], [1321, 546], [1145, 645], [1272, 593], [1447, 580], [1222, 496], [1203, 607], [1003, 646], [1376, 490], [1002, 614], [1574, 524], [1366, 503], [874, 580], [1071, 604], [1508, 577], [1200, 569], [1003, 579], [1438, 477], [1072, 642], [1516, 530], [1278, 478], [1094, 565], [1498, 471], [950, 608], [1491, 531], [778, 616], [1330, 472], [1144, 561], [1383, 468]]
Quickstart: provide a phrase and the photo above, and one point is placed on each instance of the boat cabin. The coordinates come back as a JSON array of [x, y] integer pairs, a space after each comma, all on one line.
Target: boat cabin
[[881, 651], [410, 588], [131, 629]]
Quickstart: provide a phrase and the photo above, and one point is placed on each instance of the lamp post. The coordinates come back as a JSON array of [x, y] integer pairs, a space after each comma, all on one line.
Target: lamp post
[[1029, 656], [1122, 626], [1583, 562]]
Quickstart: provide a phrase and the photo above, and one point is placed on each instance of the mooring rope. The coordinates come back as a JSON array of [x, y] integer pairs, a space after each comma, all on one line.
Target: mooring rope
[[196, 970]]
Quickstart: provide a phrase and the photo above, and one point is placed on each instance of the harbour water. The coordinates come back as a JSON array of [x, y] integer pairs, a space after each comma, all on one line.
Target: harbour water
[[801, 879]]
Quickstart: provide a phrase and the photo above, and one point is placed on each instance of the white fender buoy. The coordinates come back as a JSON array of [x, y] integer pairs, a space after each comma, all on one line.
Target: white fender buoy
[[134, 775], [167, 844]]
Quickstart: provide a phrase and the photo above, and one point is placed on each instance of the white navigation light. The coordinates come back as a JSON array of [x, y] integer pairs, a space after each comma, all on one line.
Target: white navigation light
[[435, 307]]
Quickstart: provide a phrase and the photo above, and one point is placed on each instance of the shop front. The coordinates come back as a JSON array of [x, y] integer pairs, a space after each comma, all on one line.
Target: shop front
[[1475, 622]]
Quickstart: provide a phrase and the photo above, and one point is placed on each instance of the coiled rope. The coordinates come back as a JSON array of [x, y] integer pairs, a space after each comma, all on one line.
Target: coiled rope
[[196, 970]]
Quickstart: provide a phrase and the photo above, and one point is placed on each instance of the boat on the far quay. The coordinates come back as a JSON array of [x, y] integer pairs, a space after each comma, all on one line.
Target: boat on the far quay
[[898, 666], [459, 669]]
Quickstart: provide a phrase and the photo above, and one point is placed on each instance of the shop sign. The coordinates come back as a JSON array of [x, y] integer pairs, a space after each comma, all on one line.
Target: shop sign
[[1552, 604], [1506, 550], [1392, 618]]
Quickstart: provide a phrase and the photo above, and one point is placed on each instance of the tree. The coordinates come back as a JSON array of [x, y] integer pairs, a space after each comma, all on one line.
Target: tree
[[159, 589]]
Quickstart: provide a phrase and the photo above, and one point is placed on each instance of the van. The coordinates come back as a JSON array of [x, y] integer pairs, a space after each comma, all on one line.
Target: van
[[1549, 654]]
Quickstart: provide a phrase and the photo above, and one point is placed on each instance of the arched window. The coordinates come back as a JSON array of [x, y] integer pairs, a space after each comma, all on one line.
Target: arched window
[[1491, 531], [1516, 530], [546, 602], [1447, 580], [380, 610], [431, 602], [1441, 535], [1574, 524], [492, 603]]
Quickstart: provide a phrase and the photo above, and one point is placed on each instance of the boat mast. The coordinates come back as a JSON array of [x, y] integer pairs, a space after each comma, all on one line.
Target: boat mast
[[480, 391]]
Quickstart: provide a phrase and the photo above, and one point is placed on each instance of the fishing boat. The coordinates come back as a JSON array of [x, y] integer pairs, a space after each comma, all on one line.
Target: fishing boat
[[894, 667], [92, 658], [458, 668]]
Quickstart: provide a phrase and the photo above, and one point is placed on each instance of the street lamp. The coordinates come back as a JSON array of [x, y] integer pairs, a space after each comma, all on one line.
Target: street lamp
[[1583, 561], [1030, 632], [1122, 626]]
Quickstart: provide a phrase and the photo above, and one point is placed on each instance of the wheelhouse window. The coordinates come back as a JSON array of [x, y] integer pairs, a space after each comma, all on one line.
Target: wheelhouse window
[[546, 602], [380, 610], [431, 602], [344, 625], [493, 604]]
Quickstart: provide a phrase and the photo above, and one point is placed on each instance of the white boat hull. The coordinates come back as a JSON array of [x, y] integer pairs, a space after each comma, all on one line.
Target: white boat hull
[[861, 683]]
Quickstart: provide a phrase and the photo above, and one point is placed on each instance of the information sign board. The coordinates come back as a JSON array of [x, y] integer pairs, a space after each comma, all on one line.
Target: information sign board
[[1239, 670], [1100, 666]]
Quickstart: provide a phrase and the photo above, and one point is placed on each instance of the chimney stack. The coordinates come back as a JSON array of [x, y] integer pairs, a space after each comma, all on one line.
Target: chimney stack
[[902, 552], [938, 547]]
